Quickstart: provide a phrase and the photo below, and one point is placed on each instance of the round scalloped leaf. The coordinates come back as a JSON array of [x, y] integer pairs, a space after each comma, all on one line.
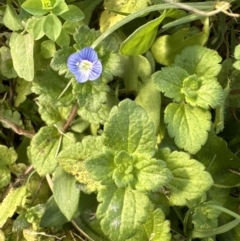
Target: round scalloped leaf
[[169, 81], [203, 92], [166, 47], [49, 85], [195, 60], [189, 181], [188, 126], [95, 101], [51, 113], [59, 61], [130, 129], [206, 217], [150, 175], [122, 211]]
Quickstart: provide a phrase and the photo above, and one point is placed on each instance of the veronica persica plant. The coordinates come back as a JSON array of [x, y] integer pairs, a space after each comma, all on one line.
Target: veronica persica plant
[[85, 65]]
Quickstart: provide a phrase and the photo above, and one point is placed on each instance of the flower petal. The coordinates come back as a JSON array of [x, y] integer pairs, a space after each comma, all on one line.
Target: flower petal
[[73, 62], [82, 77], [88, 54], [96, 70]]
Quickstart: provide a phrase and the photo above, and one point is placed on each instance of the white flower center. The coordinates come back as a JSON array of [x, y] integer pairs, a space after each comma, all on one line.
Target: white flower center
[[85, 66]]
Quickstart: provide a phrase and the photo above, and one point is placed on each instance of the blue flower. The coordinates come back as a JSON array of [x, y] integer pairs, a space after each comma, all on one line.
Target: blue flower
[[85, 65]]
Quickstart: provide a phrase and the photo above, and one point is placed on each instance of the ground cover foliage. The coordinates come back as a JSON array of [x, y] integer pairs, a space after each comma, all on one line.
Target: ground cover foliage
[[119, 120]]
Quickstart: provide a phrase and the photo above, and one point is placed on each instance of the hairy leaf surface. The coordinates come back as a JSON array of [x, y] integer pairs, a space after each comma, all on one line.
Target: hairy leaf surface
[[189, 182], [188, 126], [44, 147], [122, 211], [10, 203], [155, 229], [72, 161], [130, 129], [22, 55]]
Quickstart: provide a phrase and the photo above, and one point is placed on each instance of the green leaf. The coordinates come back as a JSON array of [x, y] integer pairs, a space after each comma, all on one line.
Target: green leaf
[[219, 160], [74, 14], [8, 156], [34, 214], [63, 39], [60, 7], [125, 169], [35, 27], [48, 49], [192, 78], [202, 92], [130, 129], [113, 65], [150, 175], [11, 19], [71, 27], [237, 52], [34, 7], [205, 217], [123, 173], [52, 216], [195, 60], [71, 159], [23, 88], [146, 92], [166, 47], [52, 27], [137, 68], [84, 36], [188, 126], [20, 223], [189, 181], [109, 18], [49, 85], [22, 55], [142, 38], [155, 229], [48, 4], [59, 61], [52, 114], [6, 63], [12, 116], [122, 211], [169, 81], [10, 203], [101, 168], [65, 193], [95, 101], [5, 175], [236, 64], [44, 149]]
